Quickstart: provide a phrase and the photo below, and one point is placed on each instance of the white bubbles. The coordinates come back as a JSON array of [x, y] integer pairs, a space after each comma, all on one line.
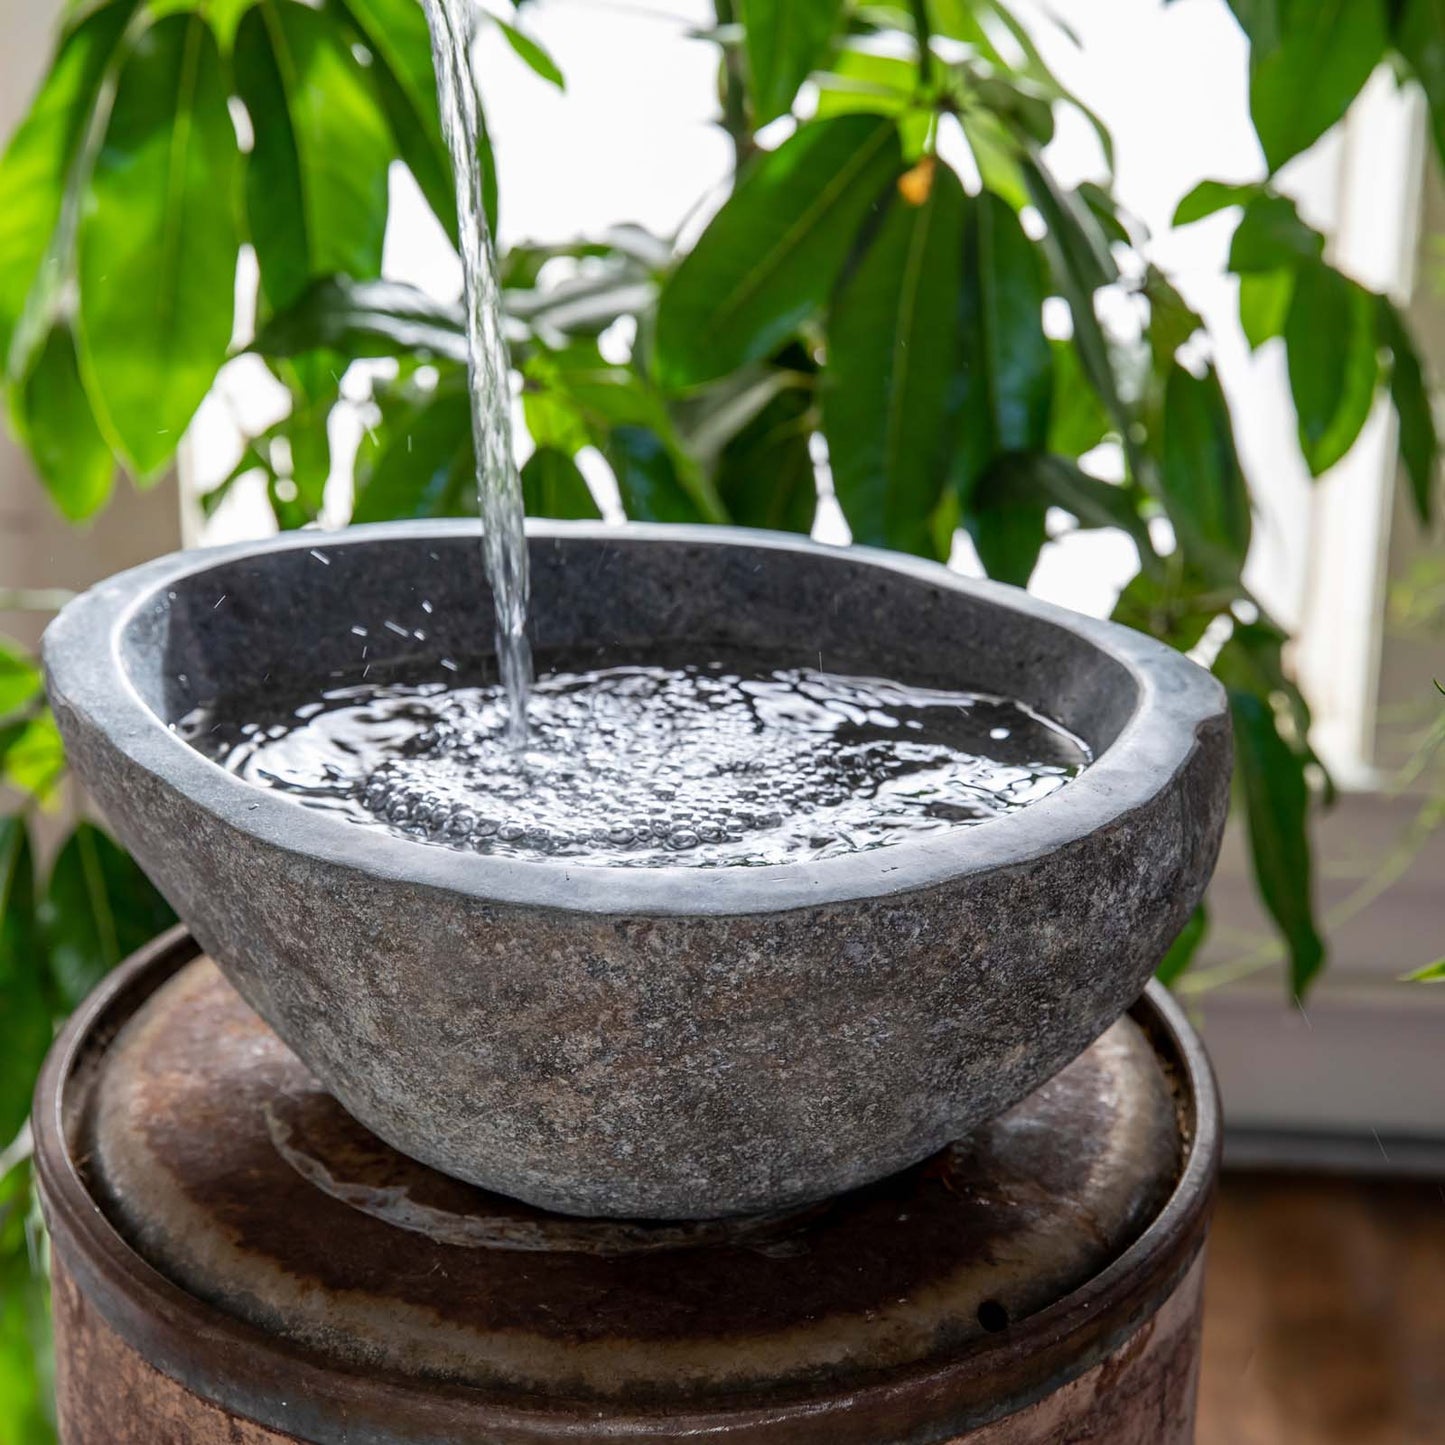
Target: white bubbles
[[656, 766]]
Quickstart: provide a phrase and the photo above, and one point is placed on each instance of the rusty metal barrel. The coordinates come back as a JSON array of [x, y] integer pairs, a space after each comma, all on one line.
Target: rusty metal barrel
[[236, 1259]]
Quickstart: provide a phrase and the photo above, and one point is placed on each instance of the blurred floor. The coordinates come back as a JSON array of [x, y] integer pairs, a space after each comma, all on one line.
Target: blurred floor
[[1325, 1314]]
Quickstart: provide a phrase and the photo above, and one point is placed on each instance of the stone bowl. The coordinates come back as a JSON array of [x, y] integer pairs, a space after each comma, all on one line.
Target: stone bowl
[[666, 1042]]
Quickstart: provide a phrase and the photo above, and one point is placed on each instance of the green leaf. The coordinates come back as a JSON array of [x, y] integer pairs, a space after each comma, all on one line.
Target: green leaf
[[1080, 261], [771, 255], [1334, 364], [784, 41], [420, 462], [532, 54], [1261, 22], [1209, 197], [647, 478], [1264, 299], [1431, 973], [27, 1387], [1270, 235], [1301, 87], [99, 908], [1077, 419], [1182, 951], [365, 318], [1038, 480], [157, 244], [1009, 362], [1276, 797], [59, 430], [765, 475], [1007, 526], [316, 179], [396, 34], [34, 762], [1169, 608], [552, 486], [44, 162], [19, 679], [1420, 37], [893, 387], [1419, 442], [25, 1027], [1204, 486], [1172, 321]]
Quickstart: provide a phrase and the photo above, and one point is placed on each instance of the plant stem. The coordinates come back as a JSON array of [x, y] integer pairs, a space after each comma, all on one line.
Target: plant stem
[[733, 91], [926, 61]]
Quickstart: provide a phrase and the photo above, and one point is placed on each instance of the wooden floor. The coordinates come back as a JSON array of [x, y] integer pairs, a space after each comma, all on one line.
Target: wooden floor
[[1325, 1314]]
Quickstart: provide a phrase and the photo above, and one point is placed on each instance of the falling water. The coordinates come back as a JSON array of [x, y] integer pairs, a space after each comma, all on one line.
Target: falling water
[[499, 488]]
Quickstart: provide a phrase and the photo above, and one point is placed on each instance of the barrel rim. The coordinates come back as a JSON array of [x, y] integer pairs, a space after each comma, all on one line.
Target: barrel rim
[[287, 1388]]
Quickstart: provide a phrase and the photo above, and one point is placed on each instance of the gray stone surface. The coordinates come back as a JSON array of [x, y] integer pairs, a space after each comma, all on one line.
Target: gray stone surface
[[668, 1042]]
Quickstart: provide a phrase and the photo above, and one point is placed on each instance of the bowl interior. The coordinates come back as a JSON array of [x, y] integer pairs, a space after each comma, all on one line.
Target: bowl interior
[[301, 618]]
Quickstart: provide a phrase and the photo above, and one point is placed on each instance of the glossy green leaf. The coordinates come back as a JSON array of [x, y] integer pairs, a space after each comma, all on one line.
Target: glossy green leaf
[[1204, 486], [1276, 798], [316, 179], [1182, 951], [1008, 363], [765, 475], [365, 318], [647, 478], [19, 679], [1008, 526], [420, 462], [1302, 86], [99, 908], [552, 486], [59, 430], [1270, 235], [396, 34], [25, 1027], [157, 244], [1210, 197], [1334, 364], [1419, 441], [1264, 299], [771, 255], [532, 54], [784, 41], [893, 388], [46, 158]]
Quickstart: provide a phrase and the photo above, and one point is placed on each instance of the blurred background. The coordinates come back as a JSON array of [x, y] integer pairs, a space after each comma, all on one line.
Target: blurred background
[[1326, 1322]]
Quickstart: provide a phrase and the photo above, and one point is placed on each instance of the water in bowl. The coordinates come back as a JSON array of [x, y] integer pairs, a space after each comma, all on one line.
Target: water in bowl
[[651, 764]]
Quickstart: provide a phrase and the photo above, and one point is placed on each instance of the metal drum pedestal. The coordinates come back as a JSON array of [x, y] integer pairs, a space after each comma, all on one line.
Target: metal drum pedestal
[[237, 1260]]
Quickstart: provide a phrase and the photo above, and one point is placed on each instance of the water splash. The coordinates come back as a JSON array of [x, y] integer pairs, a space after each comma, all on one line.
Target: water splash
[[648, 765], [499, 487]]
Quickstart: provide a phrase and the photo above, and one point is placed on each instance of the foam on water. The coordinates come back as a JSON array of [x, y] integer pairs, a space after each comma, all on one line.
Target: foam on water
[[654, 765]]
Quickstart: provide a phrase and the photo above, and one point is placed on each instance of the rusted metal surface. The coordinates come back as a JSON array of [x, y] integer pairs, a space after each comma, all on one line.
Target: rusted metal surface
[[107, 1394], [312, 1280]]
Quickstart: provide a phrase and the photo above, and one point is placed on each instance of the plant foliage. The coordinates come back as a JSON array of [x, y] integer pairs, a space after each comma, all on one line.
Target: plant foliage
[[855, 296]]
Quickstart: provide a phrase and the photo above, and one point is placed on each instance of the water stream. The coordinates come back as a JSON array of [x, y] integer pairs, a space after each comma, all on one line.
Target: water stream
[[499, 487]]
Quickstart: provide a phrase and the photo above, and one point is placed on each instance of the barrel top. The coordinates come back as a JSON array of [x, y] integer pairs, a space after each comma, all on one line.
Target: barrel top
[[227, 1167]]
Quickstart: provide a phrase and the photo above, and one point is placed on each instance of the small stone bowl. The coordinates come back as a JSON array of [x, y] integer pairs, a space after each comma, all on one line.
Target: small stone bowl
[[665, 1042]]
